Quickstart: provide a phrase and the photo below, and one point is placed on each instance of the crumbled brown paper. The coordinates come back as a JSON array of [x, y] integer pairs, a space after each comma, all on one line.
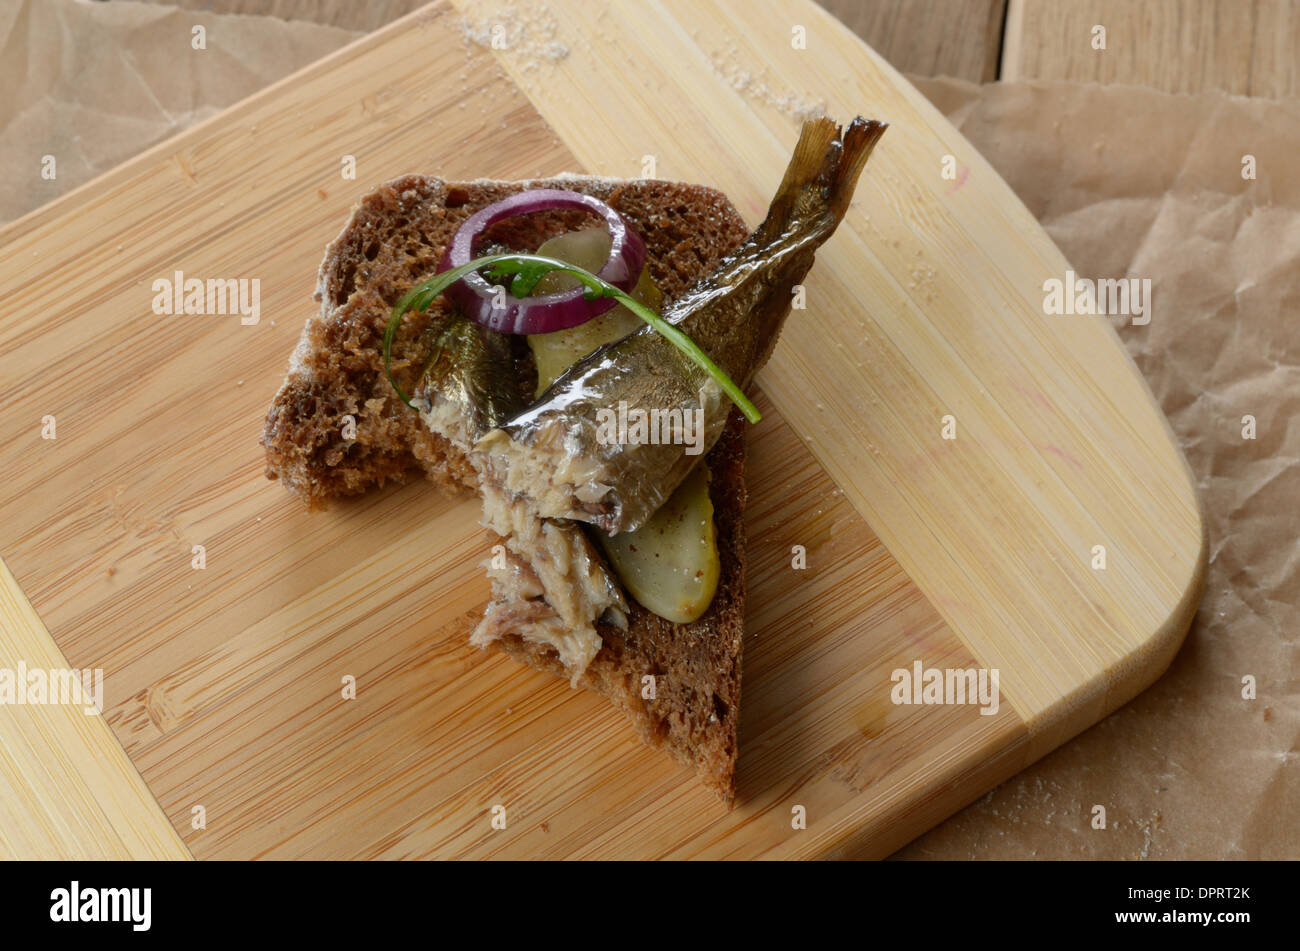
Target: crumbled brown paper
[[93, 84], [1129, 182]]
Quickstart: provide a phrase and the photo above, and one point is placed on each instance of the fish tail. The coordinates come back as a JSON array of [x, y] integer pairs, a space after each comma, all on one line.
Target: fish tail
[[824, 168], [857, 144]]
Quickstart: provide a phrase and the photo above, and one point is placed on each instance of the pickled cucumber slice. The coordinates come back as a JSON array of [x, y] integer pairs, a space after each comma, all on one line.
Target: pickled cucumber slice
[[670, 564], [556, 352]]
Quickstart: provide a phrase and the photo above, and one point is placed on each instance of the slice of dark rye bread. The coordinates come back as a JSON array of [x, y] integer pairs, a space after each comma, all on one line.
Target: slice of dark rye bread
[[394, 239], [696, 667]]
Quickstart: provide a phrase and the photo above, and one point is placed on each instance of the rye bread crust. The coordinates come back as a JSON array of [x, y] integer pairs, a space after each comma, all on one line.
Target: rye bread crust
[[395, 238]]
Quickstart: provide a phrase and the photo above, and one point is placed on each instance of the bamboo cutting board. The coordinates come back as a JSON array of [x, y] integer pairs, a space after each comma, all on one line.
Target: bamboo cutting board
[[223, 683]]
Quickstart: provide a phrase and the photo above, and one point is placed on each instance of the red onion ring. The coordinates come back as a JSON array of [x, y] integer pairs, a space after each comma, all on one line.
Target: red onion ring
[[547, 312]]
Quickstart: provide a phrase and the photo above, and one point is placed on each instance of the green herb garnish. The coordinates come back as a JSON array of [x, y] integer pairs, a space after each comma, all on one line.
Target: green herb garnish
[[526, 274], [525, 270]]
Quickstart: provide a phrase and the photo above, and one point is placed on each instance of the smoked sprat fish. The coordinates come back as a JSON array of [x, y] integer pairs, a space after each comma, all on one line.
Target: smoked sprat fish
[[550, 585], [556, 456]]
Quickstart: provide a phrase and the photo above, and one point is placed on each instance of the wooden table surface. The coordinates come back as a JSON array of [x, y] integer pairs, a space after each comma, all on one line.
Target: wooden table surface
[[1246, 48], [84, 791]]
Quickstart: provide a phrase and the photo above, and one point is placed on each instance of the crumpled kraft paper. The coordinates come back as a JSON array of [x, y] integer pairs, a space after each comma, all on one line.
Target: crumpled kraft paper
[[1130, 183], [92, 84]]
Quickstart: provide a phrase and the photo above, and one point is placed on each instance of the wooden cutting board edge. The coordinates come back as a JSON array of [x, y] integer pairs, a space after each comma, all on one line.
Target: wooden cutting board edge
[[67, 788], [121, 783]]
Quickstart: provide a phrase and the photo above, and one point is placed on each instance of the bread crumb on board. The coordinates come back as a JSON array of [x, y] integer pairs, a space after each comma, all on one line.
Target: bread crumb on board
[[527, 31], [728, 63]]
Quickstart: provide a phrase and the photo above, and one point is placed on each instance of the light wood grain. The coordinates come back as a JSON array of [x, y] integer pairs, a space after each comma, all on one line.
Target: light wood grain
[[1174, 45], [951, 553], [67, 790]]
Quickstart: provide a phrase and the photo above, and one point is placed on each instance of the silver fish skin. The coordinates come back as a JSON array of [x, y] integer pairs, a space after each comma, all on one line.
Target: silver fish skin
[[469, 380], [556, 454]]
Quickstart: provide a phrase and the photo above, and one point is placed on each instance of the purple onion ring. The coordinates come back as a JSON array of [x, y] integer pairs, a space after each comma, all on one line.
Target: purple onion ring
[[546, 312]]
